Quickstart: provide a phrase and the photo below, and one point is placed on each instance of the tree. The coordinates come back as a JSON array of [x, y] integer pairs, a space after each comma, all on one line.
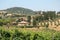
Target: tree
[[49, 14], [29, 19], [34, 22], [58, 14]]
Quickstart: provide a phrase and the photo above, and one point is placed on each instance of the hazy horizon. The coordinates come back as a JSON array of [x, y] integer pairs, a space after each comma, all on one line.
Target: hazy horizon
[[36, 5]]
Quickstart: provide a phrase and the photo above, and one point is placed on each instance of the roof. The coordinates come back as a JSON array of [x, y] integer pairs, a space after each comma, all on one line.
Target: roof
[[23, 22]]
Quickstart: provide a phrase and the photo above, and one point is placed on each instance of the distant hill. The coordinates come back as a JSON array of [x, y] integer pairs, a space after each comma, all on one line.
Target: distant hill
[[20, 10]]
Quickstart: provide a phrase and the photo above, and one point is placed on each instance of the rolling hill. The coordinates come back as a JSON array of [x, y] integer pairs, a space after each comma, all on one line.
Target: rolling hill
[[20, 10]]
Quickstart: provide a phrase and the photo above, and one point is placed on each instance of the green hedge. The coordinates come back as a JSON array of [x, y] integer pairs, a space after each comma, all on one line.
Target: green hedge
[[29, 35]]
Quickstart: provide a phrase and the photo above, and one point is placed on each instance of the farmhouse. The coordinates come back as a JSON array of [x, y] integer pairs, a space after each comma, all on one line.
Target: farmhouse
[[23, 23], [9, 15]]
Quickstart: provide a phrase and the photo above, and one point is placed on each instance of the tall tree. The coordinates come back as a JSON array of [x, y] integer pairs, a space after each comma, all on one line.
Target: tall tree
[[49, 14], [29, 19], [34, 22]]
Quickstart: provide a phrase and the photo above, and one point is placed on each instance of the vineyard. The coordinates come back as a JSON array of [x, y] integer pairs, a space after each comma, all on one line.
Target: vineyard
[[24, 24], [25, 34]]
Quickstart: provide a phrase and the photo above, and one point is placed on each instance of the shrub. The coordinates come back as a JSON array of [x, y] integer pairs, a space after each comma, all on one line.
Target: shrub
[[56, 36], [37, 37], [5, 35], [27, 37], [16, 34]]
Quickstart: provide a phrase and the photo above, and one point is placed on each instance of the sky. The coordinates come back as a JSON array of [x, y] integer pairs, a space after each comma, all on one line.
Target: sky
[[36, 5]]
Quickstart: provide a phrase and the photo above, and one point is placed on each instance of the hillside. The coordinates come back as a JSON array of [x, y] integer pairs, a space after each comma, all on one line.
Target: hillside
[[20, 10]]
